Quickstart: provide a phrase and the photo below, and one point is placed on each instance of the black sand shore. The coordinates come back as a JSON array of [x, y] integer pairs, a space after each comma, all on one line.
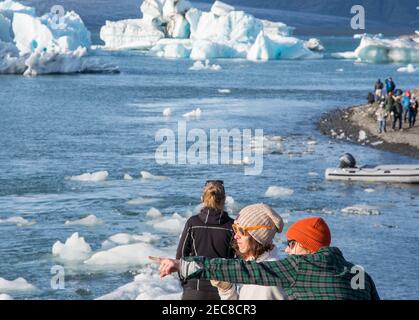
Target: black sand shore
[[346, 124]]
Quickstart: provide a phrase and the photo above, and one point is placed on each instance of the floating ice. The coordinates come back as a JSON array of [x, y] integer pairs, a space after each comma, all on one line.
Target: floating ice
[[128, 177], [224, 91], [167, 112], [178, 31], [19, 285], [362, 136], [311, 142], [153, 213], [410, 68], [74, 249], [147, 286], [19, 221], [361, 209], [125, 255], [173, 224], [148, 176], [125, 238], [198, 65], [376, 143], [93, 177], [142, 201], [4, 296], [369, 190], [339, 70], [194, 114], [276, 192], [88, 221], [313, 174], [376, 49]]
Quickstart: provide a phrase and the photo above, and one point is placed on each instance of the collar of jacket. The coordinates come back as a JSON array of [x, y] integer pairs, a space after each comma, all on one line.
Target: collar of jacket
[[213, 216]]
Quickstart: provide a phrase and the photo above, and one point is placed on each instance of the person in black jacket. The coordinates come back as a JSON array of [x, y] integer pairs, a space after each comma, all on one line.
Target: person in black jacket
[[208, 234]]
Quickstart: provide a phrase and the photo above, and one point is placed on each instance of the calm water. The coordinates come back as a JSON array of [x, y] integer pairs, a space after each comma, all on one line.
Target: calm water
[[52, 127]]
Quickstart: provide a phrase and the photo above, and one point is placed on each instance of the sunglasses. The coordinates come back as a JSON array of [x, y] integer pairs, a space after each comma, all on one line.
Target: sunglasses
[[290, 243], [244, 230], [215, 181]]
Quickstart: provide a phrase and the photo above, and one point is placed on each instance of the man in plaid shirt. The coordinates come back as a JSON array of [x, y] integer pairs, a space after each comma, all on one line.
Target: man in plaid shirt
[[313, 270]]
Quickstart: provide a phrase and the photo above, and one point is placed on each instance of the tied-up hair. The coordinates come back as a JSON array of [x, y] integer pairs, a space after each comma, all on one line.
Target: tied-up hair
[[213, 195]]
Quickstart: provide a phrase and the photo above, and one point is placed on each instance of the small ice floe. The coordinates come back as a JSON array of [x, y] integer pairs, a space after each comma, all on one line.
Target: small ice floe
[[128, 177], [4, 296], [268, 145], [369, 190], [194, 114], [142, 201], [410, 68], [126, 238], [126, 255], [153, 213], [388, 226], [145, 175], [361, 209], [89, 221], [225, 91], [339, 70], [92, 177], [341, 136], [278, 192], [169, 224], [362, 136], [74, 249], [19, 285], [313, 174], [311, 142], [147, 286], [167, 112], [199, 65], [377, 143], [18, 221]]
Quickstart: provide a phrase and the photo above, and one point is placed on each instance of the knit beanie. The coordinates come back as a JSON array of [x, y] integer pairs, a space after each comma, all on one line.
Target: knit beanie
[[311, 233], [260, 215]]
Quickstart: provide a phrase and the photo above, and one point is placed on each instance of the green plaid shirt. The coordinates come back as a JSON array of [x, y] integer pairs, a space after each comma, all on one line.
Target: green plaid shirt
[[324, 275]]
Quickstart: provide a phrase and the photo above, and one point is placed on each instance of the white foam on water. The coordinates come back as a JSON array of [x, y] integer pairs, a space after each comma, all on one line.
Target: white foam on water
[[313, 174], [92, 177], [148, 176], [167, 112], [18, 221], [147, 286], [361, 209], [142, 201], [170, 224], [153, 213], [278, 192], [74, 249], [376, 143], [194, 114], [128, 177], [19, 285], [89, 221], [135, 254]]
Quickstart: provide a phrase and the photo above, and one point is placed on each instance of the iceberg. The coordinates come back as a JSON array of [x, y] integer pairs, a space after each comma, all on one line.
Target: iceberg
[[75, 249], [410, 68], [89, 221], [174, 29], [376, 49], [32, 45]]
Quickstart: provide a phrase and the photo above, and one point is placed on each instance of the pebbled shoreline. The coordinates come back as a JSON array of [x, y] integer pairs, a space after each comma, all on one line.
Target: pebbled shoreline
[[346, 125]]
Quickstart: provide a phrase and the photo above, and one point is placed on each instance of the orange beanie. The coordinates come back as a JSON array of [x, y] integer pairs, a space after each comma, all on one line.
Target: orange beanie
[[311, 233]]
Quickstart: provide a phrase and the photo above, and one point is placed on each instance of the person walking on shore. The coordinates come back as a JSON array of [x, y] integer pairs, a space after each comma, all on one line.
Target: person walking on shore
[[207, 234], [313, 269], [378, 90], [381, 118], [389, 102], [406, 105], [254, 231], [397, 111], [413, 111], [390, 85]]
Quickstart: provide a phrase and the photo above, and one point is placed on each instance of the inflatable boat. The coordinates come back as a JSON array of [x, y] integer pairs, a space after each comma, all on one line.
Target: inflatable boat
[[385, 173]]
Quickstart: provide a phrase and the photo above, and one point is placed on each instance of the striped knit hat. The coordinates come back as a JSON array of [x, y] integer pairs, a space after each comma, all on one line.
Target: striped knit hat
[[260, 215]]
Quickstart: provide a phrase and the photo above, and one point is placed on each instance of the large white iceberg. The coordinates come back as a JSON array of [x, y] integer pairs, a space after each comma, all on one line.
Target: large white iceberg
[[376, 49], [173, 29], [33, 45]]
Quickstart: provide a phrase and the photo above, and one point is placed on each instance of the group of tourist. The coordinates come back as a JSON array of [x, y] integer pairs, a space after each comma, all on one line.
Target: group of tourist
[[222, 258], [394, 105]]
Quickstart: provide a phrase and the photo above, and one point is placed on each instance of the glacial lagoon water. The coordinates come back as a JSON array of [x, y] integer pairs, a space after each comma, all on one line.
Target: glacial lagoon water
[[55, 127]]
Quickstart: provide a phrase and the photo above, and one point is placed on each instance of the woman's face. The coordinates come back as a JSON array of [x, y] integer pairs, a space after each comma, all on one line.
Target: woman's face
[[243, 243]]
